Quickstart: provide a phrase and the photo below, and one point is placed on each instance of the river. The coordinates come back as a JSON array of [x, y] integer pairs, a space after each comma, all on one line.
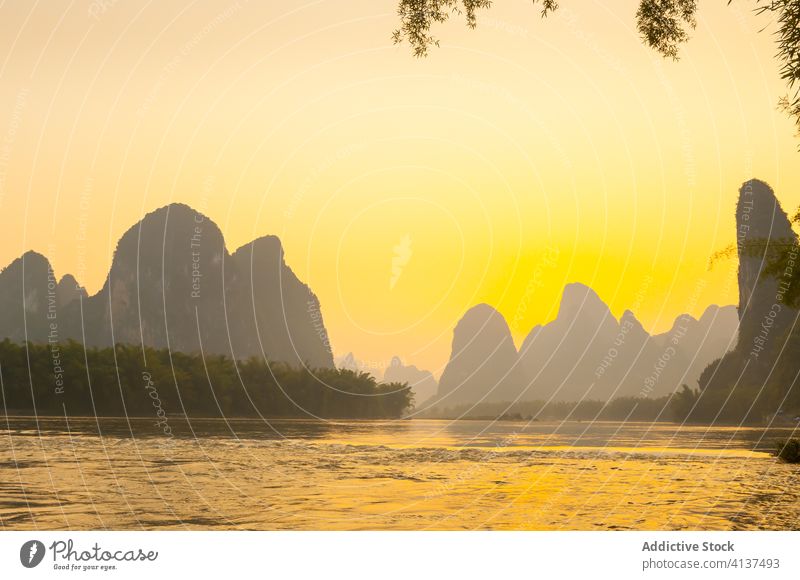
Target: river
[[398, 475]]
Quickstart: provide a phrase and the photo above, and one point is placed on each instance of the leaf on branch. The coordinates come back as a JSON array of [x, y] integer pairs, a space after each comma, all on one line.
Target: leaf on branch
[[663, 24], [418, 16]]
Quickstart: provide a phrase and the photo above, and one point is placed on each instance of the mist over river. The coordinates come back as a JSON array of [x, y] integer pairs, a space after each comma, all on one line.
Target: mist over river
[[399, 475]]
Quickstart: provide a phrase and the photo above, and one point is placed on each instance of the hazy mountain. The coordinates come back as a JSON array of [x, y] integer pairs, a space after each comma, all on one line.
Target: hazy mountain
[[702, 341], [69, 290], [761, 226], [422, 382], [483, 365], [165, 287], [585, 353], [757, 377], [277, 315], [351, 363], [561, 357], [27, 288], [173, 284]]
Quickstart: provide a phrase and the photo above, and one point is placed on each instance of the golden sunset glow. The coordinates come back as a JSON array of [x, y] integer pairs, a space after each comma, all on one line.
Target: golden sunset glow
[[515, 158]]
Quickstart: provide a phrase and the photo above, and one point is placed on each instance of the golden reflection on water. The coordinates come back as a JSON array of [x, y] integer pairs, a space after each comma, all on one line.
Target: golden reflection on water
[[116, 474]]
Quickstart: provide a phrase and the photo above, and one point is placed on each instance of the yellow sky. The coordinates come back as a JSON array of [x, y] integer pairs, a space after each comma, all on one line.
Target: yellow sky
[[516, 158]]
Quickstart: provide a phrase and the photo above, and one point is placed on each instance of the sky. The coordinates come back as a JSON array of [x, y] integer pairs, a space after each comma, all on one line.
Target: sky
[[516, 158]]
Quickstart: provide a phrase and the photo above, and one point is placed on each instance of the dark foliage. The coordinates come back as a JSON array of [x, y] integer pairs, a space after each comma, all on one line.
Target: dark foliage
[[789, 450], [788, 41], [663, 24], [738, 394], [54, 379], [417, 17]]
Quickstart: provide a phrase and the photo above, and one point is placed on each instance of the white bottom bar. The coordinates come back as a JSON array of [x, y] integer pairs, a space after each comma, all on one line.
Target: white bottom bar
[[401, 555]]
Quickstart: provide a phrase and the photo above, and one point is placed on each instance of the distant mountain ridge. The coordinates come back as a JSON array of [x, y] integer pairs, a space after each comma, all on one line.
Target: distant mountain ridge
[[421, 382], [585, 353], [173, 284]]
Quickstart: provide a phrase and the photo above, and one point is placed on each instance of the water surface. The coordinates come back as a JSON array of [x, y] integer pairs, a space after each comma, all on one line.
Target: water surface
[[412, 474]]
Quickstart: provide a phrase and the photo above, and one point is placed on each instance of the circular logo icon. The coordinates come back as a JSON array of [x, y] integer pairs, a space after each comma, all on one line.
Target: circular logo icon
[[31, 553]]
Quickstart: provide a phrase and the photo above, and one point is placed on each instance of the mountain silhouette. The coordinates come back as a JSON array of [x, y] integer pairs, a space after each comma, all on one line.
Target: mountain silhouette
[[484, 365], [349, 362], [585, 353], [27, 289], [756, 378], [761, 225], [173, 284], [561, 357], [422, 382]]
